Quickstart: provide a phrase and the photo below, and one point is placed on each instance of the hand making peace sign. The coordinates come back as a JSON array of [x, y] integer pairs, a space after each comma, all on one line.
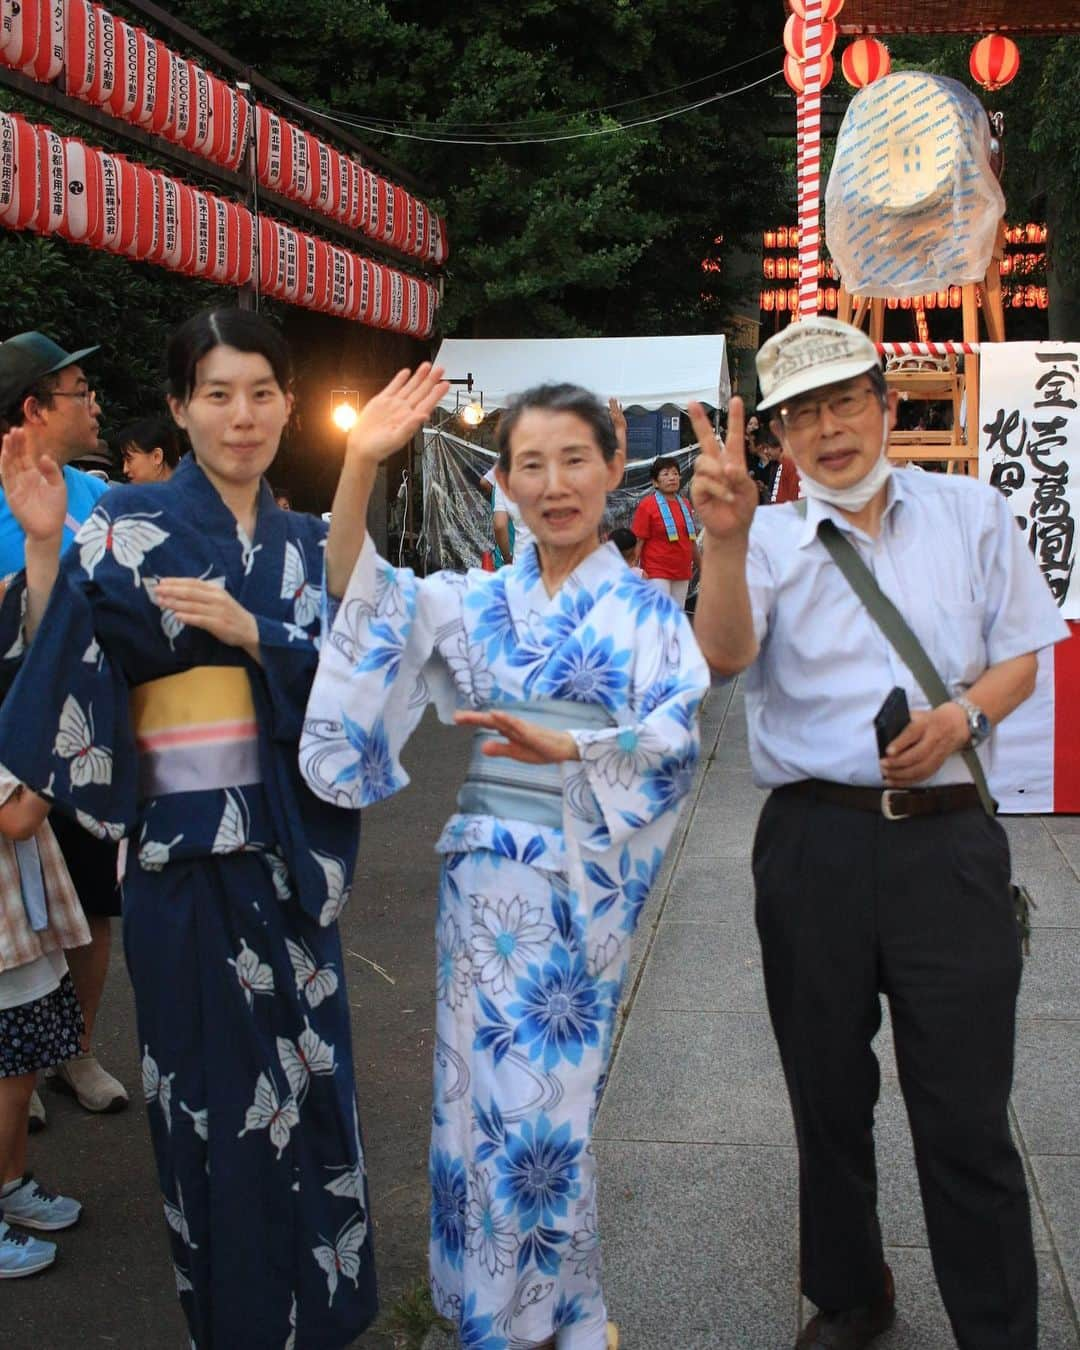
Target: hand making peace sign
[[722, 491]]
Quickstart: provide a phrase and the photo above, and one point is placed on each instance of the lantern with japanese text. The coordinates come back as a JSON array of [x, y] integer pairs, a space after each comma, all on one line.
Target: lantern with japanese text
[[52, 183], [130, 61], [147, 243], [80, 48], [178, 224], [19, 172], [795, 73], [241, 128], [105, 73], [82, 219], [864, 61], [994, 61], [155, 103]]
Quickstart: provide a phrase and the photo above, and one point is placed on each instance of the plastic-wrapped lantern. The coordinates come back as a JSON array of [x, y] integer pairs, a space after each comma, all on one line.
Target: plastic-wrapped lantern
[[82, 219], [864, 61], [829, 8], [80, 48], [795, 73], [994, 61], [19, 177], [129, 77], [795, 37]]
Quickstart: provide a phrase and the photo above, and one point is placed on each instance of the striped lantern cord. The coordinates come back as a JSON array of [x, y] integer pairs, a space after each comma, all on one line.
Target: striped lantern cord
[[808, 133], [928, 348]]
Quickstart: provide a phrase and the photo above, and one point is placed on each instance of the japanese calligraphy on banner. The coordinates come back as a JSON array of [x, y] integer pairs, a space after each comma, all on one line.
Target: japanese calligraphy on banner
[[1029, 449]]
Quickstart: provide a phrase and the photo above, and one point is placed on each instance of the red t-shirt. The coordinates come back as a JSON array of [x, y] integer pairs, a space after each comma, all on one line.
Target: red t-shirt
[[659, 556]]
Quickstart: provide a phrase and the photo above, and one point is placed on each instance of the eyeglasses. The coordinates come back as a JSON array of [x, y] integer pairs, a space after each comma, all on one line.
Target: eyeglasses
[[87, 396], [845, 404]]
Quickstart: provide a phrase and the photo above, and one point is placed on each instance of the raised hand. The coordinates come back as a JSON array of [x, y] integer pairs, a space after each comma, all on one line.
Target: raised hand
[[618, 421], [34, 487], [724, 495], [523, 740], [396, 414], [202, 604]]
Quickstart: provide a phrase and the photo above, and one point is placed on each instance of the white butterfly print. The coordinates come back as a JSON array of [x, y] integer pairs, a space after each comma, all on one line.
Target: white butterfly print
[[343, 1258], [298, 634], [19, 645], [49, 790], [157, 1087], [247, 549], [255, 976], [232, 832], [310, 1055], [279, 875], [290, 1344], [100, 829], [337, 893], [313, 982], [198, 1121], [90, 763], [269, 1112], [296, 587], [128, 539], [153, 854], [349, 1185], [183, 1284], [92, 653], [172, 626], [177, 1220]]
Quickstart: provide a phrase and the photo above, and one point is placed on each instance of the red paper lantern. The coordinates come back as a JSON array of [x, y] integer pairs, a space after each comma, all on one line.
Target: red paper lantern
[[411, 317], [300, 184], [128, 196], [241, 128], [52, 183], [18, 34], [994, 61], [274, 149], [829, 8], [339, 291], [32, 38], [128, 82], [348, 185], [200, 130], [247, 239], [147, 244], [80, 48], [795, 73], [864, 61], [429, 304], [82, 218], [19, 171], [178, 224], [768, 301], [106, 73], [156, 103], [795, 37]]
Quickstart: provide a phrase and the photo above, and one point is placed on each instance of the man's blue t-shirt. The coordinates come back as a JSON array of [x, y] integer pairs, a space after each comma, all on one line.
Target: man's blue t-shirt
[[83, 492]]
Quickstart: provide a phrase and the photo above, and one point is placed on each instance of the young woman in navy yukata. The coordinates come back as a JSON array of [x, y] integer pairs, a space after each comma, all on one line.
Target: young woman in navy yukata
[[162, 699], [582, 681]]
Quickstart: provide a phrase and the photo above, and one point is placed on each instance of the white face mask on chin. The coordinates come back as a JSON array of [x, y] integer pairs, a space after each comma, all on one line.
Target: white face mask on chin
[[859, 494]]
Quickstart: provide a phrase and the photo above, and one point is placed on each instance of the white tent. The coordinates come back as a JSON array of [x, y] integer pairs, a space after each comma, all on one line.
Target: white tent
[[641, 372]]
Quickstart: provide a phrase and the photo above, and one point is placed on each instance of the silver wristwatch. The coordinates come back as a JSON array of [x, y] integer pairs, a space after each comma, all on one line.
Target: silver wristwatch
[[978, 722]]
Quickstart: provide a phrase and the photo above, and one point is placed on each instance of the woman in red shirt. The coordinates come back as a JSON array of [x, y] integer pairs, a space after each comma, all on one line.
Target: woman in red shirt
[[665, 529]]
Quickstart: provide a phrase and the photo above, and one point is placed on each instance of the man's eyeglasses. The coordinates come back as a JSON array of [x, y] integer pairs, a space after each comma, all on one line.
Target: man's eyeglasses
[[86, 395], [845, 404]]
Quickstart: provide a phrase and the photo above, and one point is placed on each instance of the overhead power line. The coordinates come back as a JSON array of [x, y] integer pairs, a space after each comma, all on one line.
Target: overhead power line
[[364, 125]]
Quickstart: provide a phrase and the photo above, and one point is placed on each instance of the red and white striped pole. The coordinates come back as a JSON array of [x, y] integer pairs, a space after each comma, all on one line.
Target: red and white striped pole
[[808, 135], [928, 348]]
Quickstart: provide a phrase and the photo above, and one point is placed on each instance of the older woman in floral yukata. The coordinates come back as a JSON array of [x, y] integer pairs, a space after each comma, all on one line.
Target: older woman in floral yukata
[[582, 682]]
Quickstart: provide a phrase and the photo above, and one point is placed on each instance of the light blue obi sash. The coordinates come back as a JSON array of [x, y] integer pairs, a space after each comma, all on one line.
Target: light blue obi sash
[[669, 520], [509, 790]]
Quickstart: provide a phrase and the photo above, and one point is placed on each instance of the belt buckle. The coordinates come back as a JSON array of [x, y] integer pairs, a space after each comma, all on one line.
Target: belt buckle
[[887, 806]]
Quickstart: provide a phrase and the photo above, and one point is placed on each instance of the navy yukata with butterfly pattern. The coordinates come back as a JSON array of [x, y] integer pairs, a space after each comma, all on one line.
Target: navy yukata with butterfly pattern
[[231, 896], [534, 921]]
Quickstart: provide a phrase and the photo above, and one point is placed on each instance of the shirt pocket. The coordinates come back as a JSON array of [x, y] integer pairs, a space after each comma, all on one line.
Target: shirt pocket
[[960, 647]]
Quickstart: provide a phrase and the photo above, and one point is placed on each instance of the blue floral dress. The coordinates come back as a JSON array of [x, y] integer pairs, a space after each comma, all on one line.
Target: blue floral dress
[[534, 920], [143, 728]]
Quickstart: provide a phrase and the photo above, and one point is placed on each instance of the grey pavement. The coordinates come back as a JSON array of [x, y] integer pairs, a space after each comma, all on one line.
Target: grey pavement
[[698, 1171]]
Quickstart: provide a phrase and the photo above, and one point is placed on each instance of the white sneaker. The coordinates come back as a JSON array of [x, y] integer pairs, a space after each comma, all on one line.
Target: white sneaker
[[37, 1112], [93, 1088]]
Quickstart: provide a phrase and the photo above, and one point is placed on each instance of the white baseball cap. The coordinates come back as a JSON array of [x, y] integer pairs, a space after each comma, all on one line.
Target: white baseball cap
[[809, 354]]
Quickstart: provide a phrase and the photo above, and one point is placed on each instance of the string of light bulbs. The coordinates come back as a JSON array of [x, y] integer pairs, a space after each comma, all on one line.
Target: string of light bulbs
[[361, 125]]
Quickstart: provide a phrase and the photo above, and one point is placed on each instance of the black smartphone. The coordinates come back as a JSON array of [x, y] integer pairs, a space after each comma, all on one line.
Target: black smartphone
[[891, 718]]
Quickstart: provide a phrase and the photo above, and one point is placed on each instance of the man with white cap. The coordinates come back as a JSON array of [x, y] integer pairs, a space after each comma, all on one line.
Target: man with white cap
[[880, 872]]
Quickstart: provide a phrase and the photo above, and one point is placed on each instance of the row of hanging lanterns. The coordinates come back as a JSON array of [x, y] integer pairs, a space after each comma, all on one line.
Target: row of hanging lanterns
[[120, 67], [994, 61], [1013, 297], [57, 185]]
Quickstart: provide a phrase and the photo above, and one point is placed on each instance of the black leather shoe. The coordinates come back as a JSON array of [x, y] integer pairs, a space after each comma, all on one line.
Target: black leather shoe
[[851, 1328]]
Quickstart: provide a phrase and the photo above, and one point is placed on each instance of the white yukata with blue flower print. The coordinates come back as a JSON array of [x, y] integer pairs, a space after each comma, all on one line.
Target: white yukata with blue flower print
[[534, 921]]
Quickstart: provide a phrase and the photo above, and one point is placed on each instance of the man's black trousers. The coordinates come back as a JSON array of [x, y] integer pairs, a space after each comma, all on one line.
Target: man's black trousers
[[850, 905]]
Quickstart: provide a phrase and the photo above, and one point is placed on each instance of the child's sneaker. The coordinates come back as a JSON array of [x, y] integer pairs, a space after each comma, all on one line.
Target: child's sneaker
[[21, 1254], [31, 1205]]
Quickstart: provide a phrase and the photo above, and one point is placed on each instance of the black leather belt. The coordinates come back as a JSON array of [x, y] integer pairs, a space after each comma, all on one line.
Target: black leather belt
[[892, 803]]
